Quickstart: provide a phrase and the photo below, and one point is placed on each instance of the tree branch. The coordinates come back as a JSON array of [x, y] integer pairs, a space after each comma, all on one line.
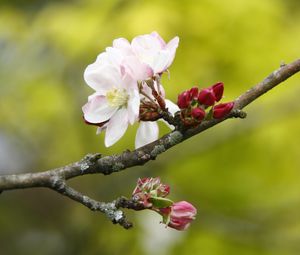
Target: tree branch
[[55, 179]]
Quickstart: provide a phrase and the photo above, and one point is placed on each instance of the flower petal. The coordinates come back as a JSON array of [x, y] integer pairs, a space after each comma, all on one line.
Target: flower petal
[[97, 110], [102, 77], [161, 61], [123, 45], [173, 108], [146, 133], [116, 127], [136, 69], [172, 46], [158, 37], [133, 106]]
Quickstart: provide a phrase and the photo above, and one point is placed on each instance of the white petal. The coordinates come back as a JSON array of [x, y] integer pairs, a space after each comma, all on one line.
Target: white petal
[[133, 106], [97, 110], [146, 47], [146, 133], [123, 45], [172, 46], [137, 69], [158, 37], [173, 108], [116, 127], [161, 61], [102, 77]]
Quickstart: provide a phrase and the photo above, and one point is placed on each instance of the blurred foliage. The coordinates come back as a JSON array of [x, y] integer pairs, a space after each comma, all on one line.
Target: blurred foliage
[[243, 175]]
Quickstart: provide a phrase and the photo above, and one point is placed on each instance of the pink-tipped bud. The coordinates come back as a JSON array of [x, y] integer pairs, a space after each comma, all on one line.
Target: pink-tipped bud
[[193, 92], [207, 97], [198, 114], [218, 90], [181, 215], [184, 100], [221, 110]]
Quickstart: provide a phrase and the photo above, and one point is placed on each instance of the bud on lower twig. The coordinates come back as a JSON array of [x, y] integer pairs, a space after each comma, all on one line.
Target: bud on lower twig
[[179, 215]]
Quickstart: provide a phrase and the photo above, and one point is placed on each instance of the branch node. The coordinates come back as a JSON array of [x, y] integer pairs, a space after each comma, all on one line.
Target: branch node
[[236, 113]]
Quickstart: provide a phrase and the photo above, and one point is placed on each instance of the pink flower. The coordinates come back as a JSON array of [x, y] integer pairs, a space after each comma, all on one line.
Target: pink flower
[[221, 110], [116, 100], [181, 215]]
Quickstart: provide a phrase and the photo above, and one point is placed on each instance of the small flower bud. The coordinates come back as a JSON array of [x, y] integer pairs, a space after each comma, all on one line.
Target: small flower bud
[[179, 215], [184, 100], [221, 110], [207, 97], [193, 92], [218, 90], [198, 114]]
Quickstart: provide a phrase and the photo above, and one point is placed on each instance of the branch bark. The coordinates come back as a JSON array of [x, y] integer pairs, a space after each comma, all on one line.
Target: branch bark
[[55, 179]]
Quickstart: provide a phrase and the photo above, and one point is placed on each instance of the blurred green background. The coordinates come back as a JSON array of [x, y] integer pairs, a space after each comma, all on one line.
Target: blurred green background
[[243, 175]]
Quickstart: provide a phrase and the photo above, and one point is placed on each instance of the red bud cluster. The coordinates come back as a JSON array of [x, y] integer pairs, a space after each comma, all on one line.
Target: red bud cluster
[[193, 104]]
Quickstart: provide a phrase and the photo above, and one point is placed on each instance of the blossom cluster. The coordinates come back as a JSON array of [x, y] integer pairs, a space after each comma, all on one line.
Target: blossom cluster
[[194, 102], [151, 193], [126, 81]]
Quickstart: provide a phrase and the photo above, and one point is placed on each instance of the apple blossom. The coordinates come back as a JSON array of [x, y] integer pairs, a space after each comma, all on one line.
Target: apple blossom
[[119, 77], [116, 100]]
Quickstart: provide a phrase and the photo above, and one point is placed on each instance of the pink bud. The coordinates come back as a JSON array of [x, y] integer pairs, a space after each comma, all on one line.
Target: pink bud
[[193, 92], [207, 97], [198, 113], [184, 100], [218, 90], [221, 110], [181, 215]]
